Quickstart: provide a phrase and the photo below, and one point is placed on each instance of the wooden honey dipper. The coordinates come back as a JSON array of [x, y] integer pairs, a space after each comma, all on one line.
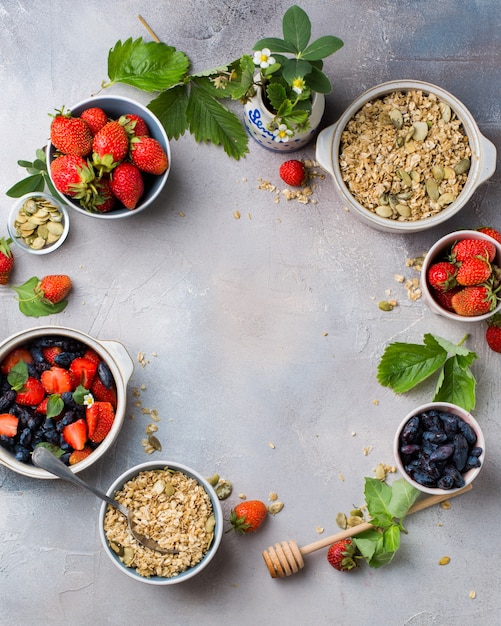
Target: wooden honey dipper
[[286, 558]]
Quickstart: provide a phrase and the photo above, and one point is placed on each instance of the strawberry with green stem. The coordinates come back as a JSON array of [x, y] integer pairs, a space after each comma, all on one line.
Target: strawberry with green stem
[[6, 260], [493, 332], [342, 554], [247, 516], [38, 298], [149, 156], [110, 146], [442, 275], [70, 135], [127, 184]]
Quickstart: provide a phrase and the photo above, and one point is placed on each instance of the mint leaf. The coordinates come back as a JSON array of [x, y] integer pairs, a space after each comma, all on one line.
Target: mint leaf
[[457, 384], [404, 365], [403, 496], [55, 405], [18, 375], [31, 305], [79, 394], [149, 66]]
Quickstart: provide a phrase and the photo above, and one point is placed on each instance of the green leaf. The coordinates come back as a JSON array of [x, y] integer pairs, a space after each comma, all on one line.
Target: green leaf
[[79, 394], [18, 375], [211, 122], [32, 183], [451, 348], [150, 66], [25, 164], [275, 45], [170, 108], [295, 68], [56, 450], [318, 81], [403, 496], [457, 385], [378, 497], [55, 405], [276, 94], [322, 48], [391, 539], [296, 27], [367, 542], [31, 305], [404, 365]]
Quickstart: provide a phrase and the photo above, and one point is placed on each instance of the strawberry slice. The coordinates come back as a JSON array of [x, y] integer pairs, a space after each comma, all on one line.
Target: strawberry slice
[[42, 407], [14, 356], [8, 425], [102, 393], [82, 372], [50, 354], [75, 434], [31, 394], [79, 455], [92, 356], [56, 380], [100, 417]]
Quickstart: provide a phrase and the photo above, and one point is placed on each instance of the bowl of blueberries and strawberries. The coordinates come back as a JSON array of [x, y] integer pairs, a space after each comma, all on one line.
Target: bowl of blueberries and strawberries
[[61, 389]]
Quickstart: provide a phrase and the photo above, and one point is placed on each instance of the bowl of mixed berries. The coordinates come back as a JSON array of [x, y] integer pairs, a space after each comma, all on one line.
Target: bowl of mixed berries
[[61, 389], [109, 156], [461, 275]]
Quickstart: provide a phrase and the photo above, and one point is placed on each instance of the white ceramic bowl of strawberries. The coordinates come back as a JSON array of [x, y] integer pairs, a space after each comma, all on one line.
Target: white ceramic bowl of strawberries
[[128, 163], [25, 414], [460, 276]]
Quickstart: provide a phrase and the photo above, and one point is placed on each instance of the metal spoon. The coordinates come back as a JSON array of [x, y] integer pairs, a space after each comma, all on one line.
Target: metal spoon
[[46, 460]]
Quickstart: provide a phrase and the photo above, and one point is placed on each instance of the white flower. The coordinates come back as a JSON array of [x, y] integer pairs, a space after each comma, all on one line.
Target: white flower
[[263, 58], [282, 133], [298, 85], [88, 399]]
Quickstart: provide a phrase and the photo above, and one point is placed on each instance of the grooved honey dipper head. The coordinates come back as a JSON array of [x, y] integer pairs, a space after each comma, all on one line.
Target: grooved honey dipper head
[[283, 559]]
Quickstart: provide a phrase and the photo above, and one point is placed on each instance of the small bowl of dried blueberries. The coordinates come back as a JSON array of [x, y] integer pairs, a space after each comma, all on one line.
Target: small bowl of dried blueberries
[[439, 448], [38, 223]]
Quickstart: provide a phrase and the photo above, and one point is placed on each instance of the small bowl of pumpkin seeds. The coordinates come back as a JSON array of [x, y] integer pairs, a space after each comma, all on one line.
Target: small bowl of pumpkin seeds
[[38, 223]]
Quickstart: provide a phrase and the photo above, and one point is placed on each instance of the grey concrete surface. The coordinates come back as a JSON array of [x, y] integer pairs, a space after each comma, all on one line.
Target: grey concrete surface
[[260, 330]]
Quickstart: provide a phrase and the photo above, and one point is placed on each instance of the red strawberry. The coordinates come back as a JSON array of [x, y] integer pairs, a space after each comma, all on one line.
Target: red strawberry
[[110, 146], [70, 135], [105, 201], [442, 275], [79, 455], [248, 516], [93, 356], [473, 271], [31, 394], [54, 287], [102, 393], [50, 354], [8, 425], [13, 357], [100, 417], [134, 125], [127, 184], [293, 173], [491, 232], [148, 154], [72, 176], [82, 372], [75, 434], [6, 260], [56, 380], [42, 407], [341, 555], [493, 332], [444, 299], [471, 301], [466, 248], [95, 117]]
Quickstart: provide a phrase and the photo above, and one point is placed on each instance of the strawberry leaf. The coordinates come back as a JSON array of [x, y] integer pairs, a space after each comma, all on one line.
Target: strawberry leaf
[[18, 375], [150, 66], [55, 405], [30, 303], [457, 384], [79, 394], [36, 182], [170, 108], [56, 450]]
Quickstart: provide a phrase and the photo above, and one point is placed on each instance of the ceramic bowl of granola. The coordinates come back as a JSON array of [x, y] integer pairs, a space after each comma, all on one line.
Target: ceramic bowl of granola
[[172, 504], [442, 298], [38, 223], [406, 156], [24, 419], [115, 107], [439, 448]]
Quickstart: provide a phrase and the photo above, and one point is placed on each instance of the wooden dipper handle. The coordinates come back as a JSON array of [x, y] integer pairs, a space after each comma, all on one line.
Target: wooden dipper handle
[[286, 558]]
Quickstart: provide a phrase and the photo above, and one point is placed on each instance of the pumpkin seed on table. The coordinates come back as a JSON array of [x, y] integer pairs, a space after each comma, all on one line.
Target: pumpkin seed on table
[[38, 223]]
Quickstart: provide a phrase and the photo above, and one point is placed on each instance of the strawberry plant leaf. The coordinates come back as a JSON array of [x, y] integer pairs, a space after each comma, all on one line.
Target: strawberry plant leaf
[[403, 496], [322, 48], [275, 45], [31, 305], [404, 365], [378, 498], [18, 375], [170, 108], [79, 394], [296, 27], [32, 183], [56, 450], [457, 385], [150, 66], [55, 405]]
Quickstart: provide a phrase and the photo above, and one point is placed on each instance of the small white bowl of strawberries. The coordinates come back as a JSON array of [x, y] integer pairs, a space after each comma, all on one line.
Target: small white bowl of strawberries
[[461, 275], [109, 156]]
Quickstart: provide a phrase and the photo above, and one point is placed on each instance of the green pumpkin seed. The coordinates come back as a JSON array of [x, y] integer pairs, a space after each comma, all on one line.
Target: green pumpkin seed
[[449, 173], [446, 198], [405, 177], [396, 118], [341, 520], [438, 172], [432, 189], [385, 306], [223, 489], [384, 211], [420, 130], [403, 210], [445, 111], [463, 166]]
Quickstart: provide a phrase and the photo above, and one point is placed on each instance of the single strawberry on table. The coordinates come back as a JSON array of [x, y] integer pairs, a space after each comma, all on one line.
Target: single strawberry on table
[[148, 154], [70, 135], [341, 555], [6, 260], [491, 232], [493, 332], [127, 184], [293, 173], [54, 287], [247, 516]]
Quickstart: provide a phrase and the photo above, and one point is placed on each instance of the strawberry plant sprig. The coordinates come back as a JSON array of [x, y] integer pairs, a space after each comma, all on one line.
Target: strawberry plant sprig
[[405, 365], [38, 177]]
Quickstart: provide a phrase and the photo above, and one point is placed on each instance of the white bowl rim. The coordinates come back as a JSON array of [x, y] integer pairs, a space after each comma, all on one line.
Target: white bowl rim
[[469, 476], [217, 509]]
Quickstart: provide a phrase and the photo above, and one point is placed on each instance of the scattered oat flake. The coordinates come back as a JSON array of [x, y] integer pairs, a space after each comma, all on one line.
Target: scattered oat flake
[[445, 505], [271, 445], [399, 278], [275, 507], [273, 496], [319, 530], [472, 595], [324, 334], [445, 560], [181, 214], [143, 387], [375, 401], [367, 450], [341, 477], [236, 215], [242, 496], [145, 411], [353, 434], [138, 403]]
